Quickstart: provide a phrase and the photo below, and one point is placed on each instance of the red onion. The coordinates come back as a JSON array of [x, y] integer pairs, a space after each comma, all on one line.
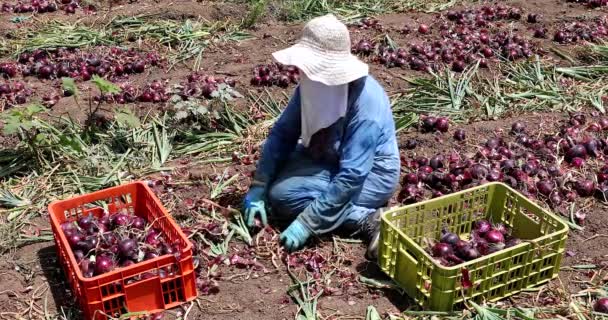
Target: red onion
[[458, 66], [411, 144], [428, 123], [442, 124], [103, 264], [592, 146], [577, 151], [555, 198], [74, 238], [545, 187], [585, 188], [502, 228], [450, 238], [68, 226], [482, 226], [411, 178], [127, 248], [494, 236], [436, 162], [79, 255], [423, 28], [120, 220], [426, 169], [441, 249], [422, 161], [459, 135], [138, 223], [468, 253], [479, 172], [533, 18], [601, 305]]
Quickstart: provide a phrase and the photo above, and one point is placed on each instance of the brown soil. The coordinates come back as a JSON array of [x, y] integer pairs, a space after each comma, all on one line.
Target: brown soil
[[262, 295]]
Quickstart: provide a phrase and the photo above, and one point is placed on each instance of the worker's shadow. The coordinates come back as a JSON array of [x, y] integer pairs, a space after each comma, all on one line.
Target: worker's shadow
[[371, 270], [58, 285]]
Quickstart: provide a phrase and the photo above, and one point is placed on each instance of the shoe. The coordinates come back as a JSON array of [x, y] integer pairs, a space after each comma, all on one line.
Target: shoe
[[370, 231]]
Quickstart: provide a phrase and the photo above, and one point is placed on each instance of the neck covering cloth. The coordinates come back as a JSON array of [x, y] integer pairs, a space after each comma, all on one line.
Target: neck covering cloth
[[321, 106]]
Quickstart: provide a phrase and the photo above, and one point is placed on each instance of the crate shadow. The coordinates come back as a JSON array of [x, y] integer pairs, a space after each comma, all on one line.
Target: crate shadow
[[372, 270], [58, 285]]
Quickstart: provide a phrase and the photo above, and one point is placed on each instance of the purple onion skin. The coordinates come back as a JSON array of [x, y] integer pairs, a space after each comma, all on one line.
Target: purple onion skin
[[68, 226], [138, 223], [468, 253], [441, 249], [103, 264], [120, 220], [86, 222], [79, 255], [127, 248], [459, 135], [449, 238], [601, 305], [494, 236], [482, 226]]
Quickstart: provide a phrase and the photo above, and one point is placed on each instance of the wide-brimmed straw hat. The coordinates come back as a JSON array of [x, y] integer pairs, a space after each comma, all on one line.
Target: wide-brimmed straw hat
[[323, 53]]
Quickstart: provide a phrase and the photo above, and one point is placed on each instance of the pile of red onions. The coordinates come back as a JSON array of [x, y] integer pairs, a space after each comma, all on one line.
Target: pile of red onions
[[43, 6], [155, 91], [390, 57], [593, 30], [467, 37], [364, 47], [114, 63], [102, 244], [484, 239], [601, 305], [368, 23], [202, 86], [431, 124], [592, 3], [14, 93], [538, 166], [275, 74]]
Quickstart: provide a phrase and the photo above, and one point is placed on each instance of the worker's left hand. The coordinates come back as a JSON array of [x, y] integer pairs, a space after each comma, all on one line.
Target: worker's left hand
[[295, 236]]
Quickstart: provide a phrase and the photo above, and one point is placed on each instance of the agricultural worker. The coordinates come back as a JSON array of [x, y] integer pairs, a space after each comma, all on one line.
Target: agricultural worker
[[331, 160]]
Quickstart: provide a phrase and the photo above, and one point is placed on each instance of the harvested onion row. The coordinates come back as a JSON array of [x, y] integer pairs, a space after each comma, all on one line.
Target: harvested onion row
[[275, 74], [113, 62], [543, 168], [13, 93]]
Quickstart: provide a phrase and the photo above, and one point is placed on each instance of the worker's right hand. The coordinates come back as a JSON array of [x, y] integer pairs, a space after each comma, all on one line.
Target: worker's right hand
[[255, 206]]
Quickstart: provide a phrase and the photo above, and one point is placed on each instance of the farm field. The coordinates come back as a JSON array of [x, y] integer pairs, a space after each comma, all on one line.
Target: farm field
[[181, 95]]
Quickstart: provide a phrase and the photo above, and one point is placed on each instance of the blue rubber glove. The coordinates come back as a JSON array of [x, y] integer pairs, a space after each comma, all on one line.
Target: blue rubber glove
[[295, 236], [255, 205]]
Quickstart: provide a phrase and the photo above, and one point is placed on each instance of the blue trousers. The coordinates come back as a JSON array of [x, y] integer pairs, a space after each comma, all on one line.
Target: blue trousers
[[302, 180]]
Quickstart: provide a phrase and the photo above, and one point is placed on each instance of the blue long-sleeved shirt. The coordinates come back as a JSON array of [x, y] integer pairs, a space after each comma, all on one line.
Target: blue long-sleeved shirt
[[366, 139]]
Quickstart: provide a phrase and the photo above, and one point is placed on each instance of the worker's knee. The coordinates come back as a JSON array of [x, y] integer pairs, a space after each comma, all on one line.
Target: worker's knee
[[278, 194], [288, 198]]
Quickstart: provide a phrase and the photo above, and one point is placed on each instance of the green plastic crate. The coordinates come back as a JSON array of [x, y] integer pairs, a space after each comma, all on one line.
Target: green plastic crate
[[436, 287]]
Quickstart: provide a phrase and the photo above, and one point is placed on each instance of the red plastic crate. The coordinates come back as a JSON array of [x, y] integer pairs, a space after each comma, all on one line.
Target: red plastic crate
[[124, 290]]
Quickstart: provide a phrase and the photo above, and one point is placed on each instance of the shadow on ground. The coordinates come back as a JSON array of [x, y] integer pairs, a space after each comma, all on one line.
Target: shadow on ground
[[57, 280], [372, 270]]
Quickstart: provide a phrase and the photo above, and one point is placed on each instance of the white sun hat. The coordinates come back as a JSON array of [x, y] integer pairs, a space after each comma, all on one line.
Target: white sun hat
[[323, 53]]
